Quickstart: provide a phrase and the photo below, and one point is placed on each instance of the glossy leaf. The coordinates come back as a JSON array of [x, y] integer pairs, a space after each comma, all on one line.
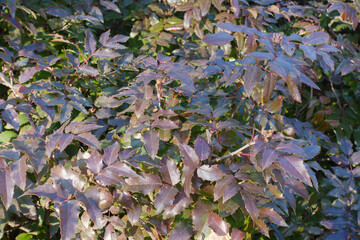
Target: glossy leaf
[[200, 215], [295, 167], [11, 117], [182, 231], [90, 198], [269, 156], [164, 197], [220, 38], [29, 73], [7, 185], [293, 88], [217, 224], [110, 5], [111, 153], [169, 170], [69, 216], [202, 148], [250, 205], [90, 42], [151, 142], [210, 172], [145, 183], [252, 76]]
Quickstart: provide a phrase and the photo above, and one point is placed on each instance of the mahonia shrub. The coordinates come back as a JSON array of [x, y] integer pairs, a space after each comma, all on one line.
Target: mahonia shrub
[[179, 120]]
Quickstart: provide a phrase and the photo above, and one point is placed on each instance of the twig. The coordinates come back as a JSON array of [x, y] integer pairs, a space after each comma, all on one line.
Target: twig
[[235, 152]]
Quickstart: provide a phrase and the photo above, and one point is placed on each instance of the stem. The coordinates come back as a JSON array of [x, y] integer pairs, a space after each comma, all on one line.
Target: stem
[[235, 152]]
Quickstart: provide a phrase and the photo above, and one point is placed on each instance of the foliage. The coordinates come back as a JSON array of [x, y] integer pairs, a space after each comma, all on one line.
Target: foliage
[[179, 119]]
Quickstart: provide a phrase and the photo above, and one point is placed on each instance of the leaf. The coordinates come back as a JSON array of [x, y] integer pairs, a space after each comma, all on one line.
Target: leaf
[[110, 233], [69, 216], [202, 148], [261, 226], [288, 46], [293, 88], [94, 162], [7, 185], [164, 124], [18, 172], [90, 42], [111, 153], [54, 192], [309, 51], [169, 170], [269, 156], [304, 79], [108, 177], [110, 5], [220, 186], [182, 231], [191, 159], [204, 6], [123, 170], [134, 214], [12, 7], [165, 197], [290, 147], [11, 117], [146, 183], [220, 38], [237, 234], [88, 139], [86, 69], [296, 168], [316, 38], [250, 205], [273, 216], [151, 142], [269, 85], [91, 198], [252, 76], [65, 140], [210, 172], [106, 53], [181, 202], [29, 73], [217, 224], [200, 215], [327, 59], [346, 146], [261, 55], [104, 37]]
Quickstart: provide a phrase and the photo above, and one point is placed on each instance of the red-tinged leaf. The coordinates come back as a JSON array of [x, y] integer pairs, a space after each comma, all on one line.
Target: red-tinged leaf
[[236, 7], [296, 168], [12, 7], [190, 159], [202, 148], [164, 124], [12, 21], [269, 156], [88, 139], [237, 234], [106, 53], [18, 172], [11, 117], [210, 172], [220, 38], [7, 185], [55, 192], [110, 233], [261, 226], [51, 143], [252, 76], [169, 170], [288, 46], [328, 48], [104, 37], [317, 38], [146, 183], [106, 177], [182, 231], [293, 88], [309, 51], [94, 162], [204, 6], [122, 169], [90, 42], [262, 55], [304, 79], [327, 59], [273, 216], [220, 186], [29, 73], [65, 140], [269, 85], [250, 205], [91, 199], [10, 154], [187, 19], [69, 216], [111, 153], [134, 214], [110, 5], [151, 141], [181, 202], [217, 224], [165, 197], [290, 147], [200, 215], [87, 70], [46, 108], [230, 190], [188, 173]]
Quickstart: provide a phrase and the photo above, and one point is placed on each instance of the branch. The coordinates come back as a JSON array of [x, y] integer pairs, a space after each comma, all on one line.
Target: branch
[[235, 152]]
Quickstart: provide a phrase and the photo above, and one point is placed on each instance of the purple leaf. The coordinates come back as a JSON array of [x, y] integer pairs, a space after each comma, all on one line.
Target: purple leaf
[[11, 117], [43, 105], [309, 51], [262, 55], [51, 143], [188, 173], [182, 231], [88, 139], [94, 162], [12, 7], [327, 48], [236, 234], [164, 124], [327, 59], [106, 177], [252, 76], [220, 38], [288, 46], [303, 78], [290, 147], [54, 192], [134, 214], [110, 233], [122, 170], [187, 18], [250, 204], [296, 168], [202, 148], [7, 185], [86, 69], [316, 38], [204, 6], [181, 202], [90, 42], [151, 142], [217, 224], [18, 172], [200, 215], [169, 170], [269, 156], [104, 37], [65, 140], [69, 216], [220, 186], [165, 197], [230, 190], [111, 153], [346, 146], [210, 172], [91, 199], [273, 216], [146, 183], [106, 53], [110, 5], [190, 159]]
